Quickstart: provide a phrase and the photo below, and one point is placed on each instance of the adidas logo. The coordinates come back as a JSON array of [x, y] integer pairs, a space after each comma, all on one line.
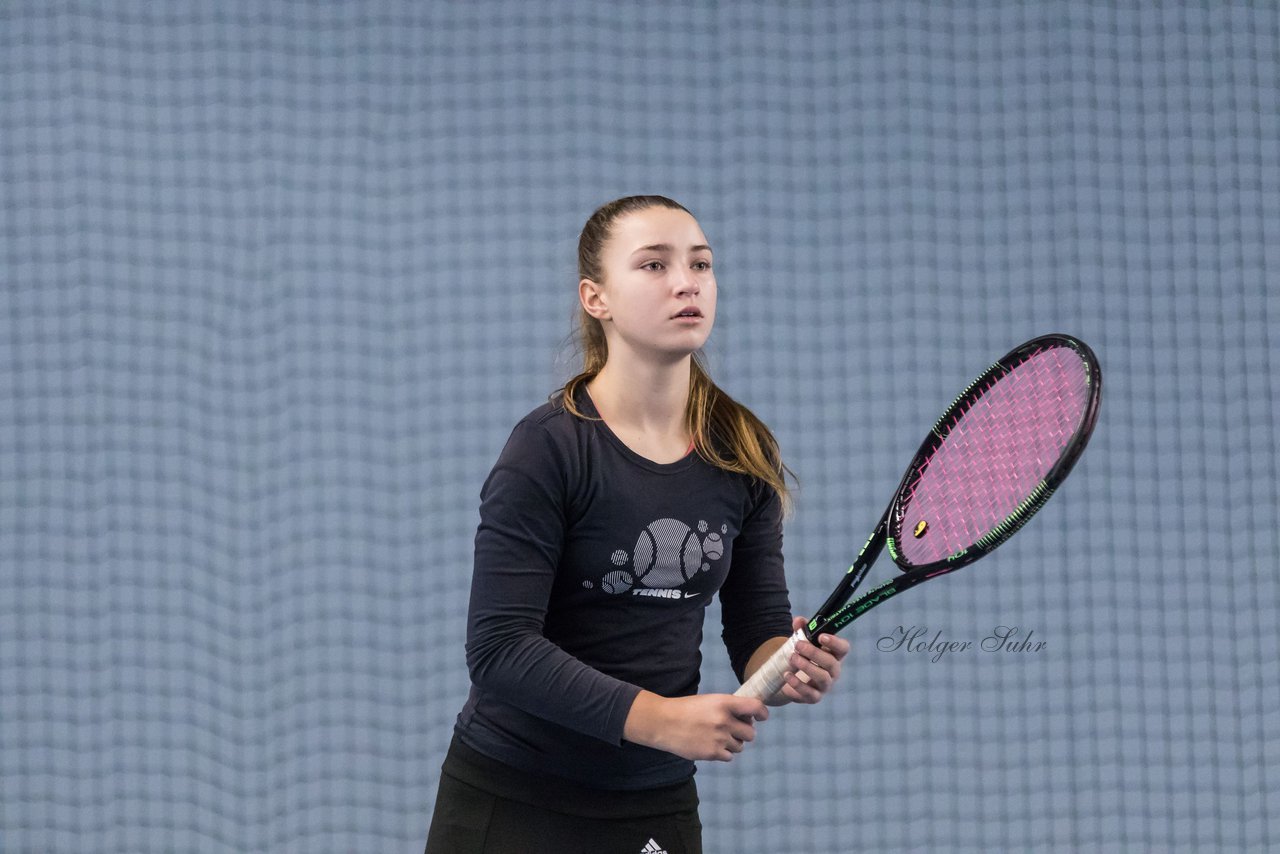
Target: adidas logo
[[652, 848]]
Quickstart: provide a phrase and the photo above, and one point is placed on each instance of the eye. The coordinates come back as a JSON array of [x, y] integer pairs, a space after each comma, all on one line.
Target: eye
[[703, 265], [650, 264]]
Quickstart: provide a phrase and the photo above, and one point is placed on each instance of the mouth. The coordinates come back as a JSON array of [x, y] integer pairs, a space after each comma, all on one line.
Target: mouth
[[688, 313]]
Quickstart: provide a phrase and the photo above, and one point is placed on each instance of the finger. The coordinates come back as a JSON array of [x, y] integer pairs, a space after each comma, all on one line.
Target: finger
[[838, 647], [830, 649], [816, 677], [747, 708], [798, 692], [826, 674], [724, 751], [810, 690], [819, 683], [817, 655]]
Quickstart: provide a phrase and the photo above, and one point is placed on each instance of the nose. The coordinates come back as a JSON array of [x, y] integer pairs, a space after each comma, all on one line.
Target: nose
[[688, 285]]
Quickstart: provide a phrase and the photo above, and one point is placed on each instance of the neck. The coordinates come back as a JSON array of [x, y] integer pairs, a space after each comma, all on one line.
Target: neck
[[645, 397]]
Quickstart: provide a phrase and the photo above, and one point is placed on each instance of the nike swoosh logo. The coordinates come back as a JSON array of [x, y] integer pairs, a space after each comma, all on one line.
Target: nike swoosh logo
[[691, 595]]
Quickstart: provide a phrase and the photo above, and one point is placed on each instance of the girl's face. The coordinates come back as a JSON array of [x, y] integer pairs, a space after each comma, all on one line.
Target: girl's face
[[659, 295]]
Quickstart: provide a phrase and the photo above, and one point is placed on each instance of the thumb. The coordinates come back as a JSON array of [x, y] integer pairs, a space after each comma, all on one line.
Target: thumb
[[748, 707], [798, 623]]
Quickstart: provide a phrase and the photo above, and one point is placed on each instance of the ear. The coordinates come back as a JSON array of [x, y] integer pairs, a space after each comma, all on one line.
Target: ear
[[592, 297]]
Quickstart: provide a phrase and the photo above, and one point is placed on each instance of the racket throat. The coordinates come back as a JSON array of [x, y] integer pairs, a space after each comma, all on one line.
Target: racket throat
[[818, 623]]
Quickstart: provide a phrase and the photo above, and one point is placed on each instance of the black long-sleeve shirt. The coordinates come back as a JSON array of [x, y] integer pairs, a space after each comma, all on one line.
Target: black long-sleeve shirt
[[593, 567]]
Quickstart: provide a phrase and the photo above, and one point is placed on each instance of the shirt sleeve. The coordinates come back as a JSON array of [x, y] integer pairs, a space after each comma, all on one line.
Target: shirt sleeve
[[523, 513], [754, 605]]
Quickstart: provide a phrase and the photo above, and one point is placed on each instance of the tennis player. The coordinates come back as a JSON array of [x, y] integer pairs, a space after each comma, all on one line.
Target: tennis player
[[613, 514]]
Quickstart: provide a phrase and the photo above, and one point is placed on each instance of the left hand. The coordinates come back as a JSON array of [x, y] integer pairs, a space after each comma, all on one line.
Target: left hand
[[820, 666]]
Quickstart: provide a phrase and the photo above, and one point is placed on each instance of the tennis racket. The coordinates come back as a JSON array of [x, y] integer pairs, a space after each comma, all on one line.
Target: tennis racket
[[990, 462]]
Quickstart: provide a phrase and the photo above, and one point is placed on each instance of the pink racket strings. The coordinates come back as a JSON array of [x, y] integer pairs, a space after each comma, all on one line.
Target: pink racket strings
[[991, 466]]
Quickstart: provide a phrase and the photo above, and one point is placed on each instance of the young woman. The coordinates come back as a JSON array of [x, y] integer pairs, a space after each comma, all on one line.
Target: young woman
[[612, 516]]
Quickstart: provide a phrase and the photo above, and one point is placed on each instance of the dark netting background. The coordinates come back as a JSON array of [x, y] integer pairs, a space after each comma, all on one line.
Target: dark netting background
[[277, 279]]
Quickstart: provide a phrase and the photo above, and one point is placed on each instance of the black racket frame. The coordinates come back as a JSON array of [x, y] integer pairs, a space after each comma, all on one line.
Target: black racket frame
[[835, 614]]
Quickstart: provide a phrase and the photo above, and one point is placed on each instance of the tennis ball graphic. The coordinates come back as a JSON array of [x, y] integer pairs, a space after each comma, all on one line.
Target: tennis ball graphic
[[617, 581], [667, 553], [713, 546]]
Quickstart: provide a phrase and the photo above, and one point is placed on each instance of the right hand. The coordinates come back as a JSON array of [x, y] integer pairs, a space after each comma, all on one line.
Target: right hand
[[704, 726]]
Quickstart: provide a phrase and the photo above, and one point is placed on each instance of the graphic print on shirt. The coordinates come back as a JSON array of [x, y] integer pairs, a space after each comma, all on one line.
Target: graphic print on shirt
[[667, 554]]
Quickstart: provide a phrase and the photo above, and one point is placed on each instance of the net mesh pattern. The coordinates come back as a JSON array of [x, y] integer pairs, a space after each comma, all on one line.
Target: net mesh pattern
[[277, 279]]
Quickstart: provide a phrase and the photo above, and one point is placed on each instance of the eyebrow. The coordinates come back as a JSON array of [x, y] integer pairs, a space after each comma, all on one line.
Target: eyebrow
[[666, 247]]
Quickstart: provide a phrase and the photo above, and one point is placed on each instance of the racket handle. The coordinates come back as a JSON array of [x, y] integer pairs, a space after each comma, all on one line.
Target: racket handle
[[767, 680]]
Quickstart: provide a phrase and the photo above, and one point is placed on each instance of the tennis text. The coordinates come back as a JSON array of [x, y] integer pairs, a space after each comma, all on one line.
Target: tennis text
[[660, 593]]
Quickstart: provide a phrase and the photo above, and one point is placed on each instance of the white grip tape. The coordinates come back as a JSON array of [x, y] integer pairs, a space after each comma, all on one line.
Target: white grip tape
[[766, 681]]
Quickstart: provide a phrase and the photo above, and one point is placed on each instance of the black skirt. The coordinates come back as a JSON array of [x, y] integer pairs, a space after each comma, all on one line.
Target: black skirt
[[486, 807]]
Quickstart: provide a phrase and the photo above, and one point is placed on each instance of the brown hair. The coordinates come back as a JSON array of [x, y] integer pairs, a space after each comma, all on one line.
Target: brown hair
[[725, 433]]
